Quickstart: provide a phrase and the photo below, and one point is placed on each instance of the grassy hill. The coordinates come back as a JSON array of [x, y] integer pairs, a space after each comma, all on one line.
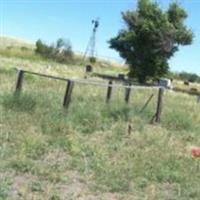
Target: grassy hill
[[93, 150], [14, 42]]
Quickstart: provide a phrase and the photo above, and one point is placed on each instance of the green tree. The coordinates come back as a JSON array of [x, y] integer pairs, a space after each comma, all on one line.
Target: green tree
[[150, 38]]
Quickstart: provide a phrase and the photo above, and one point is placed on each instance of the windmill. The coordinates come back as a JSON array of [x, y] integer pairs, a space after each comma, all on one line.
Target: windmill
[[90, 50]]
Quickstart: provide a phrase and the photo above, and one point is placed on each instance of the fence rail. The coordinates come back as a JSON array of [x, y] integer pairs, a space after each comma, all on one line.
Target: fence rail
[[109, 86]]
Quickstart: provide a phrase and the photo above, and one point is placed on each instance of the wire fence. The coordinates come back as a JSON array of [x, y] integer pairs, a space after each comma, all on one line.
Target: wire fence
[[111, 90]]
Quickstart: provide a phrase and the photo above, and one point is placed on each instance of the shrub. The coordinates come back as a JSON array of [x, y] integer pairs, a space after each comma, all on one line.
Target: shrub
[[24, 48], [60, 52]]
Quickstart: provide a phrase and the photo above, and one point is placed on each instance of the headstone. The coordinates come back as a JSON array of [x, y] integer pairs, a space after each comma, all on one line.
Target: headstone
[[193, 89], [186, 83], [121, 76], [88, 68], [164, 82]]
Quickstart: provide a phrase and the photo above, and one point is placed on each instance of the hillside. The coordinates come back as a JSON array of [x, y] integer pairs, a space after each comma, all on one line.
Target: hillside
[[93, 150], [23, 54], [14, 42]]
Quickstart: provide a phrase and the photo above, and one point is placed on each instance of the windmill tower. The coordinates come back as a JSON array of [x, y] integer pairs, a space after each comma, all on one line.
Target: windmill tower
[[90, 50]]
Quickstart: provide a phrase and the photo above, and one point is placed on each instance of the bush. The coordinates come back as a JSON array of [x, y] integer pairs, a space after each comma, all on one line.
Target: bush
[[60, 52], [24, 48]]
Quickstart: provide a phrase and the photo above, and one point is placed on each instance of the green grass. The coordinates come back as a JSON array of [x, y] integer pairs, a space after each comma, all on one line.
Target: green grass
[[87, 152]]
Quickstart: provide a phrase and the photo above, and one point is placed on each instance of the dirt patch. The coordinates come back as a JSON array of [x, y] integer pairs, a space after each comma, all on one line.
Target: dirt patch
[[20, 185]]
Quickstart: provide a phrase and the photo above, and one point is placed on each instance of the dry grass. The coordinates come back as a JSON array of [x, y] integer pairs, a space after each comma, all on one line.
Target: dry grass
[[14, 42], [88, 152]]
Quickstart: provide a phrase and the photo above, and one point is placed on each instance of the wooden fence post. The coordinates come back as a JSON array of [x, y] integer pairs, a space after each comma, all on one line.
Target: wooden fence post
[[127, 93], [68, 93], [159, 105], [19, 82], [109, 91]]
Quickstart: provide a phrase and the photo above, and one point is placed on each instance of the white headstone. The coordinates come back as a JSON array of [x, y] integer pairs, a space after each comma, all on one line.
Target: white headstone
[[164, 82]]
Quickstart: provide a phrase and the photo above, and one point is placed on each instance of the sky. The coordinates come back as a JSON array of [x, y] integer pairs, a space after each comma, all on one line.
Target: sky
[[71, 19]]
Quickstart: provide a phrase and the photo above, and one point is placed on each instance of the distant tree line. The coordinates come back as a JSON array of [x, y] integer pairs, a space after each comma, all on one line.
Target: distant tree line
[[185, 76], [60, 52]]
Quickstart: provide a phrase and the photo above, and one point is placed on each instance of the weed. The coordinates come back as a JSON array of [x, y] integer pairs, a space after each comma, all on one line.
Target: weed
[[19, 103], [4, 187]]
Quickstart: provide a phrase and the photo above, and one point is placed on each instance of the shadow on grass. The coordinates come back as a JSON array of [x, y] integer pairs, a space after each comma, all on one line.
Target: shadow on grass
[[19, 103]]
